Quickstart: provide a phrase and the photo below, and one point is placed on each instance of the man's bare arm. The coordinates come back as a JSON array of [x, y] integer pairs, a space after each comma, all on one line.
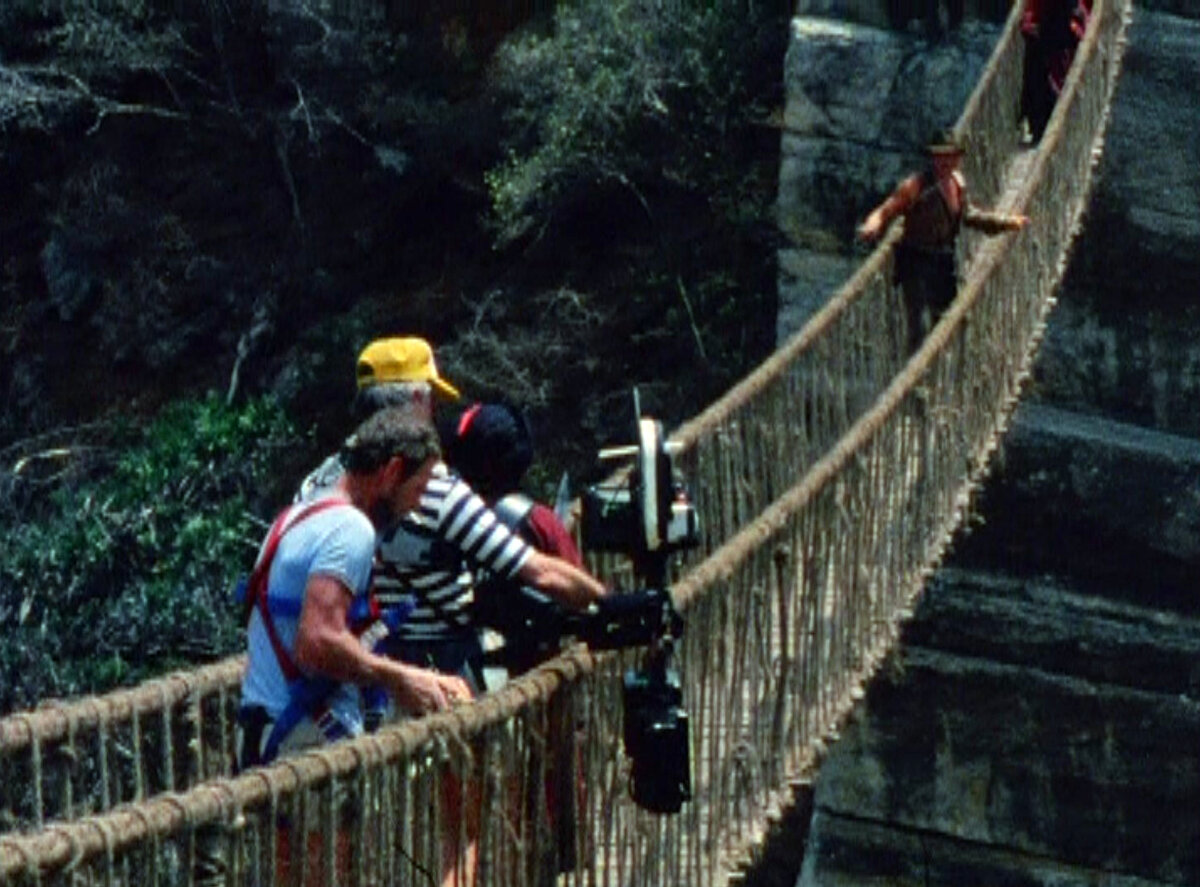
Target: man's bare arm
[[567, 584], [325, 646], [992, 222], [896, 204]]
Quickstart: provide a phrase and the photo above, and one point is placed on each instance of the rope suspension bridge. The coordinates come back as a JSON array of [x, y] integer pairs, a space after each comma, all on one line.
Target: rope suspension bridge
[[828, 484]]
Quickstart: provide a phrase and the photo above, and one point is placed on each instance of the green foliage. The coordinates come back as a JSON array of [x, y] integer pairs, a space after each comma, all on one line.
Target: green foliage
[[630, 93], [91, 41], [266, 173], [121, 575], [635, 153]]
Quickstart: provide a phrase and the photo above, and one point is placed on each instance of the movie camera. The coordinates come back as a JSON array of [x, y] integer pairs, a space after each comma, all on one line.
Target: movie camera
[[645, 512], [655, 721]]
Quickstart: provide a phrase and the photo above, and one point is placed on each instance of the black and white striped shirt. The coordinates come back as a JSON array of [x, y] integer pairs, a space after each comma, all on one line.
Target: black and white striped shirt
[[433, 553]]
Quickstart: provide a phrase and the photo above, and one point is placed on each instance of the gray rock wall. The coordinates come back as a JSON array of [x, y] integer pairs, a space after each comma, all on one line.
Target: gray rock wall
[[1033, 730], [1083, 495], [1013, 741], [1124, 339]]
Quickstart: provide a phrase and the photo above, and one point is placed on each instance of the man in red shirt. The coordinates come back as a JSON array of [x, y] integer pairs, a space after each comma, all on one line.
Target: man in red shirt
[[1052, 30], [492, 449]]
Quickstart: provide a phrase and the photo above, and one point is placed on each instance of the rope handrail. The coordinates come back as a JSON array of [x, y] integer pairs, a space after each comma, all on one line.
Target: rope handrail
[[53, 720], [211, 801], [743, 391], [792, 602], [827, 468]]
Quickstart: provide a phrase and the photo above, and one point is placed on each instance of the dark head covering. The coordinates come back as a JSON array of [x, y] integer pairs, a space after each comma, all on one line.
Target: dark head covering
[[944, 141], [492, 448]]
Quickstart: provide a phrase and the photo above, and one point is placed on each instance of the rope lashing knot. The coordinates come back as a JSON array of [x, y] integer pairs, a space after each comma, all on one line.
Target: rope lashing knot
[[73, 842], [17, 848], [227, 804]]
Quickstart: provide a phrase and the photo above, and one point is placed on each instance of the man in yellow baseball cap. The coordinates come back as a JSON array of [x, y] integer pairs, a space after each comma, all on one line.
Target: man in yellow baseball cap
[[434, 551], [429, 559], [397, 372]]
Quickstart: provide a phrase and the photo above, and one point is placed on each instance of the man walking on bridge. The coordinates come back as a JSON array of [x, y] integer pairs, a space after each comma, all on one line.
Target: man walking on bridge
[[934, 206]]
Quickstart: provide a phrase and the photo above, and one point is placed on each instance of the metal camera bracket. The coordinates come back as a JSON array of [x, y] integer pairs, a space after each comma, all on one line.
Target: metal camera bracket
[[644, 511]]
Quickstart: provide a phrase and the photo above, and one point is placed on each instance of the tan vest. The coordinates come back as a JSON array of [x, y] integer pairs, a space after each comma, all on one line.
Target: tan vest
[[931, 223]]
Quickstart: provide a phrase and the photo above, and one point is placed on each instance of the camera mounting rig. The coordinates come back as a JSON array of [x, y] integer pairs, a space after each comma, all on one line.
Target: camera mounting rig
[[645, 513]]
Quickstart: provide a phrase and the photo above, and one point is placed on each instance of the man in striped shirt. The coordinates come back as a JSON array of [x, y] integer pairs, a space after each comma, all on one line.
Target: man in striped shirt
[[433, 554]]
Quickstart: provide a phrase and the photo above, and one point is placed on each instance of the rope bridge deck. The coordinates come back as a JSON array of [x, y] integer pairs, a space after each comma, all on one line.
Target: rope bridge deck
[[828, 481]]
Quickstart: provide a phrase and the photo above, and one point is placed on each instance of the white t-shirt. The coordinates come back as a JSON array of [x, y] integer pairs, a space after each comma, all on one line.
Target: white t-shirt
[[337, 542]]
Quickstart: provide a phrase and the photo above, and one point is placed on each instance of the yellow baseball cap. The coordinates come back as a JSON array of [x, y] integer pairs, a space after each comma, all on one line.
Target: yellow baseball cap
[[403, 359]]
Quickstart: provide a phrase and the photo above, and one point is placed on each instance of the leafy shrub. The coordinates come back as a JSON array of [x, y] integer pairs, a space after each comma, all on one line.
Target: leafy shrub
[[633, 94], [635, 155], [127, 572]]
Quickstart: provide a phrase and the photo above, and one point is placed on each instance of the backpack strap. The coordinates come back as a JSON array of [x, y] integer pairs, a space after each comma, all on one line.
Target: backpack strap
[[512, 511], [308, 696], [257, 596]]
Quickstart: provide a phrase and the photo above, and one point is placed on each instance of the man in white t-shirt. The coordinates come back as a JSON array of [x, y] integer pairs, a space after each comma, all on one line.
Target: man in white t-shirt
[[305, 663]]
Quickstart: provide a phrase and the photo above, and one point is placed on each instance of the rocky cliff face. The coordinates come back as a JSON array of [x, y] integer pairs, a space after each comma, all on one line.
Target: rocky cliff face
[[1040, 722], [991, 756]]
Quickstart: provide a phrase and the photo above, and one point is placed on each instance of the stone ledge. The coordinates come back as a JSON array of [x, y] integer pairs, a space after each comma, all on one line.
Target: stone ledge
[[1023, 762], [1088, 495]]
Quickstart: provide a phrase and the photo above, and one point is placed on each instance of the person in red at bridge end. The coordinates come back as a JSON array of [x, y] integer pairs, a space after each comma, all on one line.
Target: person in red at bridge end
[[934, 206], [1052, 30]]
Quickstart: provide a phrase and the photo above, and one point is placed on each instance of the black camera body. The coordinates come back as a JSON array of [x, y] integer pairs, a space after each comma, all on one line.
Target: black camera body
[[633, 619], [655, 729], [534, 626], [656, 739]]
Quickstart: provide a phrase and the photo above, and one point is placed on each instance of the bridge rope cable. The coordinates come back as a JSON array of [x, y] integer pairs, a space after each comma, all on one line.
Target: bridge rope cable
[[829, 482]]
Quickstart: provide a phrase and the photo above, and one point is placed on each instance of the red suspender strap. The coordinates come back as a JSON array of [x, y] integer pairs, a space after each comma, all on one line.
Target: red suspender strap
[[256, 590]]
